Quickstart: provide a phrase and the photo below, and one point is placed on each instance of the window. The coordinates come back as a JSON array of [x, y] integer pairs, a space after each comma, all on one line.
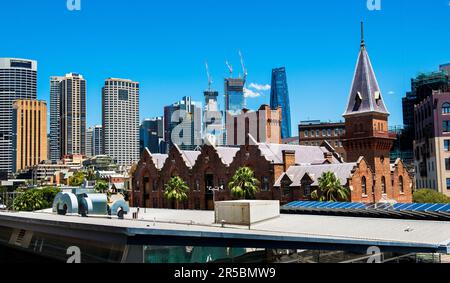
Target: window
[[447, 164], [265, 183], [383, 185], [197, 185], [306, 133], [448, 183], [446, 126], [155, 185], [324, 133], [364, 185], [336, 132], [329, 133], [447, 145], [446, 108], [400, 184], [123, 94]]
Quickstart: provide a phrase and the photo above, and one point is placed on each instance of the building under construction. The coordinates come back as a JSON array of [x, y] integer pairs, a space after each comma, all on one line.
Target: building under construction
[[422, 87]]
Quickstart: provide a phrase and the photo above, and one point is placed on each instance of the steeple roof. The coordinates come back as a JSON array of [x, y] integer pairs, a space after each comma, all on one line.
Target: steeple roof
[[365, 95]]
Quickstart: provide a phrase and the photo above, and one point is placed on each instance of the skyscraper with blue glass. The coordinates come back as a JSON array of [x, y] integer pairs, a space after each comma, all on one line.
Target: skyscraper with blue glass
[[279, 97]]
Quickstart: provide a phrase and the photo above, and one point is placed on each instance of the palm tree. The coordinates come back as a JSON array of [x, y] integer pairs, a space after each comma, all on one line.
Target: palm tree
[[330, 188], [176, 190], [244, 185]]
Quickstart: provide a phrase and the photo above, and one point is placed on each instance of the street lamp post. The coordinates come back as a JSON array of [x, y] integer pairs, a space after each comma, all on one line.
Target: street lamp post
[[214, 190]]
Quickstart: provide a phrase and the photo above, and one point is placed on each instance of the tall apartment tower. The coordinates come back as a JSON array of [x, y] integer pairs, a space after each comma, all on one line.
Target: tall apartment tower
[[366, 126], [17, 81], [55, 118], [279, 97], [89, 137], [29, 133], [120, 102], [73, 115]]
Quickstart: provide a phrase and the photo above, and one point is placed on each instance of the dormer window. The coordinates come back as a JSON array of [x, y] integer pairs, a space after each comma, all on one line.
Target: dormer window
[[377, 97], [358, 101]]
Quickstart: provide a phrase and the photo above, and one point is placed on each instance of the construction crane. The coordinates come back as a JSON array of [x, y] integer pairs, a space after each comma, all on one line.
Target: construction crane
[[243, 65], [230, 68], [210, 81]]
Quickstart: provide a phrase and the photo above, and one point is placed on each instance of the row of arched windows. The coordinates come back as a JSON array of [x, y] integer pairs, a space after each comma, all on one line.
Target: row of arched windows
[[383, 185]]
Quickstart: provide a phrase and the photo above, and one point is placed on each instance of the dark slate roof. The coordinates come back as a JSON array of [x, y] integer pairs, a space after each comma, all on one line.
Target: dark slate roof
[[365, 95]]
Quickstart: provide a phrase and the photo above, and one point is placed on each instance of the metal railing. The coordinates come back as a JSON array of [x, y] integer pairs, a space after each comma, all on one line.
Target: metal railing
[[7, 200]]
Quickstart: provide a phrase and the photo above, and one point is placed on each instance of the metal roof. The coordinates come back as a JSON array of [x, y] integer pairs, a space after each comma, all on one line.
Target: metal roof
[[342, 171], [303, 154], [165, 227]]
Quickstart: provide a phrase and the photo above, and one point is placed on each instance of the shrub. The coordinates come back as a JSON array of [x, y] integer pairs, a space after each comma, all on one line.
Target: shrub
[[430, 196], [35, 199]]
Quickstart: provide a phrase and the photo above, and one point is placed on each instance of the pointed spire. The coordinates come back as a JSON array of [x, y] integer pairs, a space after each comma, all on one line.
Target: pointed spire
[[363, 43], [365, 95]]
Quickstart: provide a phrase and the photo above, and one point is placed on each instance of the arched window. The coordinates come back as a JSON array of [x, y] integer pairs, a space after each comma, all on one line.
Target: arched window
[[400, 184], [446, 108], [383, 185], [364, 185]]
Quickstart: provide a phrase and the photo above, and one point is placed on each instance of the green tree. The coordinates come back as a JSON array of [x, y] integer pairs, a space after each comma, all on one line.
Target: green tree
[[330, 189], [430, 196], [176, 190], [35, 199], [244, 185], [77, 179], [101, 187]]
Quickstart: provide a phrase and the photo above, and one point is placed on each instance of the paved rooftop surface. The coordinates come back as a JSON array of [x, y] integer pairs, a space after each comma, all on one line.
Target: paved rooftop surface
[[296, 228]]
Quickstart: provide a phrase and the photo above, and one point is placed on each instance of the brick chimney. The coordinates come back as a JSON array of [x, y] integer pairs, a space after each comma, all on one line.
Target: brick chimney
[[288, 159]]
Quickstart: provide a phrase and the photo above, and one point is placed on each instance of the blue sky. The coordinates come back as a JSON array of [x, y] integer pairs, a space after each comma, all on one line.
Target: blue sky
[[164, 44]]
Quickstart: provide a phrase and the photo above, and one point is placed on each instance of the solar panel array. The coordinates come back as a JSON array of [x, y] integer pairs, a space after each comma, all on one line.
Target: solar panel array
[[419, 207]]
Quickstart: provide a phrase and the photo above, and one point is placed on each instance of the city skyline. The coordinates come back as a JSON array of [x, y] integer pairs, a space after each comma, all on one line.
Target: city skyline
[[315, 52]]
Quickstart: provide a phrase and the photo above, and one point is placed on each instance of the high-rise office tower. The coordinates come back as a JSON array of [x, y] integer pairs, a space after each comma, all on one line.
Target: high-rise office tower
[[29, 133], [234, 95], [55, 118], [152, 135], [94, 141], [279, 97], [17, 81], [73, 115], [182, 124], [120, 101]]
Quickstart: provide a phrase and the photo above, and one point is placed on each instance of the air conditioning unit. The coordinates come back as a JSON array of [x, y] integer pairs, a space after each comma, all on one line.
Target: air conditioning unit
[[246, 212]]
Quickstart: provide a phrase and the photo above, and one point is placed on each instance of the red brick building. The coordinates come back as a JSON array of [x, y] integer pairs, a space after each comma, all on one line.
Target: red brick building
[[213, 167], [367, 134]]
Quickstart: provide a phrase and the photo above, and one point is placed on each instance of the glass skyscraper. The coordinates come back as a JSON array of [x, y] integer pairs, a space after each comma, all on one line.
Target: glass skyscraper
[[279, 97], [152, 135], [234, 95]]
